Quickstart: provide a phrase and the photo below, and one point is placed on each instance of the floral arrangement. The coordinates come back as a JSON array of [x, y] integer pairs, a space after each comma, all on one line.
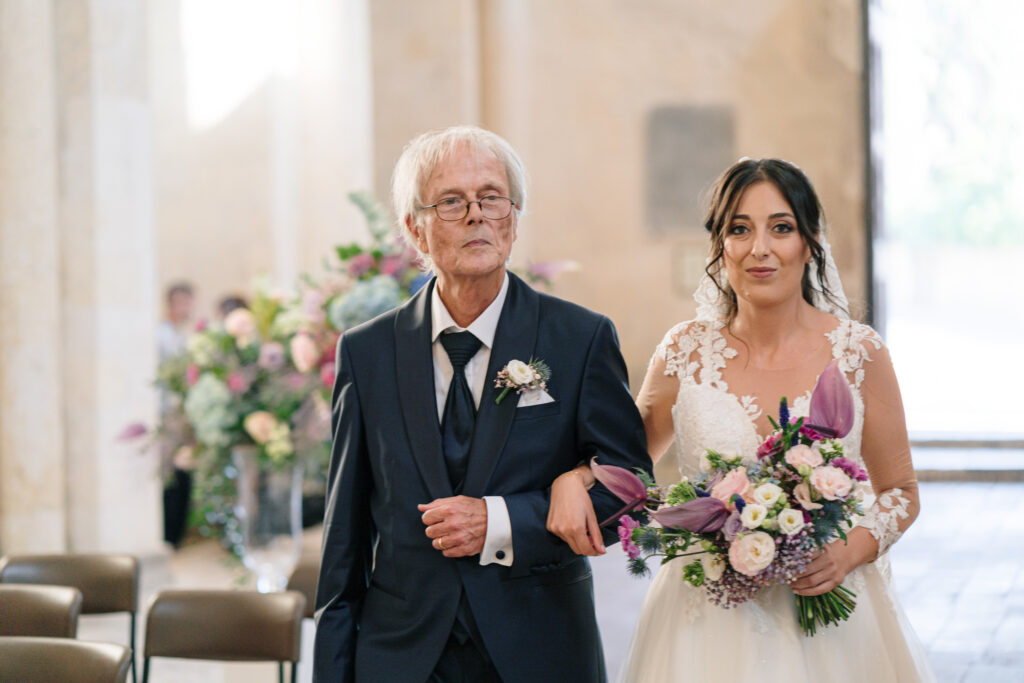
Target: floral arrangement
[[748, 526], [262, 378]]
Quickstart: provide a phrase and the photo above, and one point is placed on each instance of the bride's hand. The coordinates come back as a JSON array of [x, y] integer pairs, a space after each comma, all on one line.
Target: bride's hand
[[826, 571], [571, 515]]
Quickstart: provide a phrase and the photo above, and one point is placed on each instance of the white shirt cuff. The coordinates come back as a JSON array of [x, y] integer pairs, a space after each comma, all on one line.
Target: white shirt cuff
[[498, 540]]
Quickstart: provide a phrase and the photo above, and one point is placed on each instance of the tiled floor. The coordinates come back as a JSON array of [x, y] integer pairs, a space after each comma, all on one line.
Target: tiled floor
[[959, 572]]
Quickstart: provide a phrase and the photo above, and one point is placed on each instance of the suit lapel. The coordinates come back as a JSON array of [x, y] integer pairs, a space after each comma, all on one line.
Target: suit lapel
[[515, 339], [415, 367]]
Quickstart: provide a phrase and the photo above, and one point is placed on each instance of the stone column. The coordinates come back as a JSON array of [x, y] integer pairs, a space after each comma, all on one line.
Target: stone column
[[32, 476], [108, 266]]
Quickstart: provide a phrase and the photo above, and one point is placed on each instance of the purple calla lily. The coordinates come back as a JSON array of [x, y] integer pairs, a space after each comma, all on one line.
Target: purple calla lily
[[700, 515], [832, 403], [624, 484]]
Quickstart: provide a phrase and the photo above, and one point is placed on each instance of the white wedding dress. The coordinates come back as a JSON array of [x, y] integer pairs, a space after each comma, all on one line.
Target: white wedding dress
[[681, 636]]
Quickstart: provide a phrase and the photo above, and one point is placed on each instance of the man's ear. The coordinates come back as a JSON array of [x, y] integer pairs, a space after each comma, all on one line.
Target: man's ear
[[417, 233]]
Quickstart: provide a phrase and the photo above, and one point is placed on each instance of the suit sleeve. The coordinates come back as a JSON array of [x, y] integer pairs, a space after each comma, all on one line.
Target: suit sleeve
[[348, 535], [609, 428]]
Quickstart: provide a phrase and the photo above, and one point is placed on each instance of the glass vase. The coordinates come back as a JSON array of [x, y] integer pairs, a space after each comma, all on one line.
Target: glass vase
[[269, 513]]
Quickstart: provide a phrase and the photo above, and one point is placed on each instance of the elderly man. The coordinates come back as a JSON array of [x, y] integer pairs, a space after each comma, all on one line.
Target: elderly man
[[436, 562]]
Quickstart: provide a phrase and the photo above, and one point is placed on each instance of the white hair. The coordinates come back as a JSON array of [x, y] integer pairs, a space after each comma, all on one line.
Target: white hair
[[422, 155]]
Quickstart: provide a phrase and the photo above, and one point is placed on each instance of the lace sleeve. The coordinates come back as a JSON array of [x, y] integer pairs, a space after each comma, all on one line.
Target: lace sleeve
[[675, 350], [884, 520], [885, 448]]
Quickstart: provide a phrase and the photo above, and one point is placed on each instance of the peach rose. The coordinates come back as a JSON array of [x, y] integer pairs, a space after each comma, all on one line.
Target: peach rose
[[304, 352], [803, 455], [735, 482], [260, 425], [831, 482], [241, 325], [802, 492], [751, 553]]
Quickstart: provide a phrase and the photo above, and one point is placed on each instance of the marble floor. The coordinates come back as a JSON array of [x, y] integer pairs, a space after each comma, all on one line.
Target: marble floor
[[959, 572]]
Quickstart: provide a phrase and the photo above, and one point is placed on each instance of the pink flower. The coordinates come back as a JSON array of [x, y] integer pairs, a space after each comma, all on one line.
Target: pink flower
[[700, 515], [295, 381], [132, 431], [393, 265], [620, 481], [852, 469], [201, 325], [831, 482], [734, 483], [192, 374], [751, 553], [360, 264], [626, 526], [769, 447], [549, 270], [803, 455], [832, 403], [327, 374], [812, 434], [237, 383], [304, 352], [241, 325], [802, 492], [271, 356]]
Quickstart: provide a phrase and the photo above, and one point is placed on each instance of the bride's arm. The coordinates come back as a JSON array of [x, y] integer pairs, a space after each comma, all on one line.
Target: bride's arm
[[571, 514], [886, 452]]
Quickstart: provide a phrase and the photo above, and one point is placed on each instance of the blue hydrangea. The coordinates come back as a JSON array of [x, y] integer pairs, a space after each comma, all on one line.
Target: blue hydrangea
[[366, 300]]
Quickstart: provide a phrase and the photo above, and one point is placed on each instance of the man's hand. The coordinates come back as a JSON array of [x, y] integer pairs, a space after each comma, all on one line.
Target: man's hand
[[456, 526]]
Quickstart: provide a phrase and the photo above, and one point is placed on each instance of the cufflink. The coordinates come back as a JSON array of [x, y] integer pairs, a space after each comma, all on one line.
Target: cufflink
[[500, 554]]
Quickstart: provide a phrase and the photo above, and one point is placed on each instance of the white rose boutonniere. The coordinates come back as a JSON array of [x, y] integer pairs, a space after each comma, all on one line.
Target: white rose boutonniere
[[522, 377]]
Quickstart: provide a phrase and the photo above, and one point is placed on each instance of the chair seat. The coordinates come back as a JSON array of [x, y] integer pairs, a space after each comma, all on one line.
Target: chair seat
[[43, 660]]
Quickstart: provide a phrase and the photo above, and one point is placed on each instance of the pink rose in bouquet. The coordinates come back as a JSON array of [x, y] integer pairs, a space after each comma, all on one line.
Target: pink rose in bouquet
[[733, 483], [803, 455], [831, 482], [750, 553]]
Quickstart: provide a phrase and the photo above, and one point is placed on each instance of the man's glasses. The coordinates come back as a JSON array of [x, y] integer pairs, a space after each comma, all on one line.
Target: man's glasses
[[493, 207]]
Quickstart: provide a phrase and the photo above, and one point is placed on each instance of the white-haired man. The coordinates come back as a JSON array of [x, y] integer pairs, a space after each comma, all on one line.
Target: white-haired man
[[436, 562]]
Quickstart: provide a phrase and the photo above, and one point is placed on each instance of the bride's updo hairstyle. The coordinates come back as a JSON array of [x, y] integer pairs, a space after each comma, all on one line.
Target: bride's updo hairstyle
[[798, 192]]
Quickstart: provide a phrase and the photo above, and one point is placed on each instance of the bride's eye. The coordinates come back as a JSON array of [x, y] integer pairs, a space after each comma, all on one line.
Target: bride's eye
[[737, 230], [784, 228]]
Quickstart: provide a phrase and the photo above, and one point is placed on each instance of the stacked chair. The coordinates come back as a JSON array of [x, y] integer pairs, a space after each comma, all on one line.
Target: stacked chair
[[107, 583], [39, 610], [225, 625]]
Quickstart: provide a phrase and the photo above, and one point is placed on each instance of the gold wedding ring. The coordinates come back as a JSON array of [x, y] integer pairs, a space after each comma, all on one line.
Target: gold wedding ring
[[440, 544]]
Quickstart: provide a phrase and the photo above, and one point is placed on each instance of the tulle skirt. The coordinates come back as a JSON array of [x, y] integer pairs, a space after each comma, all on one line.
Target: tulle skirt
[[681, 636]]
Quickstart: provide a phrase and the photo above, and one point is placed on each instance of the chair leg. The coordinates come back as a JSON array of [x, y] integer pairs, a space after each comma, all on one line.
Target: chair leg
[[295, 672], [145, 670], [131, 644], [280, 672]]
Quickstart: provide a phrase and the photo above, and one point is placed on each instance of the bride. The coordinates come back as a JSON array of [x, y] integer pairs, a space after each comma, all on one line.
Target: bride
[[771, 314]]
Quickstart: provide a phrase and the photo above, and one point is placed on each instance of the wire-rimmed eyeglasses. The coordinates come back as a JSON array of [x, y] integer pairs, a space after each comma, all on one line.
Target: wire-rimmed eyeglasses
[[493, 207]]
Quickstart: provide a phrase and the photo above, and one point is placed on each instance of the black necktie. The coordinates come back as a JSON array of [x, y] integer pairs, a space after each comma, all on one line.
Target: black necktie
[[459, 409]]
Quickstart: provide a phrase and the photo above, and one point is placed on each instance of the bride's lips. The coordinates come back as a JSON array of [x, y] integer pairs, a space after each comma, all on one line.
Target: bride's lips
[[761, 272]]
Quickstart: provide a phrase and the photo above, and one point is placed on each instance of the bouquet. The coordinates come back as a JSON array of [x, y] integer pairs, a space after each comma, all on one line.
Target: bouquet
[[748, 526]]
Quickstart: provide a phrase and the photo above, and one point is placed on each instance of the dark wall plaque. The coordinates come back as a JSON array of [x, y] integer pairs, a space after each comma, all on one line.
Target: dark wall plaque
[[687, 148]]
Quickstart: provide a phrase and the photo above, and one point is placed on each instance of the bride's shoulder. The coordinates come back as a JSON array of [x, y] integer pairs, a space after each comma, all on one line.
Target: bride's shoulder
[[855, 343], [681, 340]]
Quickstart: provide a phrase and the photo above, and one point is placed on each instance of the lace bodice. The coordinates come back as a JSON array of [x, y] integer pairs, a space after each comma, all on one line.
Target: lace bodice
[[707, 415]]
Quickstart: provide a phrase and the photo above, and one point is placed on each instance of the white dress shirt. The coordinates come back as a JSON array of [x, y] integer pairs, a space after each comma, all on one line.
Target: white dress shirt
[[498, 540]]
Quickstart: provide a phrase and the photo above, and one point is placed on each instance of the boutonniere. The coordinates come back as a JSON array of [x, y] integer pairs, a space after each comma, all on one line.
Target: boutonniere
[[522, 377]]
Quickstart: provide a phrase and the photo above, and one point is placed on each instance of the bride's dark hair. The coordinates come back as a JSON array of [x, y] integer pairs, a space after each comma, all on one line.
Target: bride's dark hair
[[798, 192]]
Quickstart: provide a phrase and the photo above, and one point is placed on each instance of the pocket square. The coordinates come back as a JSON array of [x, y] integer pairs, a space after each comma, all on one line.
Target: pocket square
[[534, 397]]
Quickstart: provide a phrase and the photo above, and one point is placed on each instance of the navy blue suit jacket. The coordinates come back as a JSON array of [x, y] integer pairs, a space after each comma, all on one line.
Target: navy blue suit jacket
[[386, 599]]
